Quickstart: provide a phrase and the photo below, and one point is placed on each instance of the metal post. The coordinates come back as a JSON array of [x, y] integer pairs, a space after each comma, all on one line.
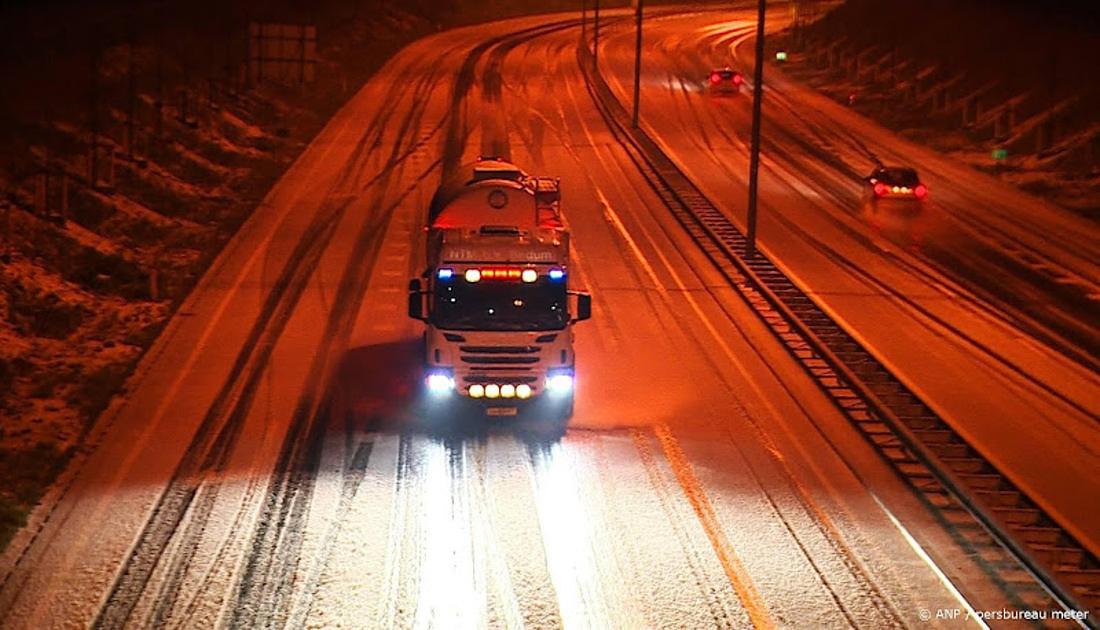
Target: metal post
[[8, 246], [131, 93], [64, 197], [637, 63], [584, 22], [596, 38], [93, 111], [302, 57], [754, 159], [158, 124], [185, 86]]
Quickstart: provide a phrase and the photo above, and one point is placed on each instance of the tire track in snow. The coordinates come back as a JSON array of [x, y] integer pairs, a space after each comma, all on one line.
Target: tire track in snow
[[735, 574], [275, 557], [209, 449], [731, 563]]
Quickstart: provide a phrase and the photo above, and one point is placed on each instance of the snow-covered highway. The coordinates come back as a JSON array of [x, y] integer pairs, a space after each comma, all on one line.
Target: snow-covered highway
[[267, 468]]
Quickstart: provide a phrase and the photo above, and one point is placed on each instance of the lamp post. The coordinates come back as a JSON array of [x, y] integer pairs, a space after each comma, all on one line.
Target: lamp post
[[754, 157], [5, 257], [637, 62], [584, 22], [596, 38]]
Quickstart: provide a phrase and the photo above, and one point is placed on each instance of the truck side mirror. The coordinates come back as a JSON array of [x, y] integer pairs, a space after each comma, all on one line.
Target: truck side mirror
[[416, 299], [584, 307]]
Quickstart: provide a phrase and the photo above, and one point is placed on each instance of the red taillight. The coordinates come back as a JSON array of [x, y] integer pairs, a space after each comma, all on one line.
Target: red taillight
[[715, 78], [738, 79], [920, 192], [881, 189]]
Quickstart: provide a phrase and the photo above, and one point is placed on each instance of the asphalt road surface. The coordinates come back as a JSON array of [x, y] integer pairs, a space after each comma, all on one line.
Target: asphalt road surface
[[266, 469]]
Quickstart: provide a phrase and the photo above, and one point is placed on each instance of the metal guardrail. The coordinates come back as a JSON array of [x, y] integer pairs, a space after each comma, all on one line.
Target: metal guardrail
[[946, 472]]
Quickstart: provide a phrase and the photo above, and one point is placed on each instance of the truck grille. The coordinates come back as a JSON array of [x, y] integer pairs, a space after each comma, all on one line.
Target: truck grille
[[489, 378], [501, 365], [499, 349], [499, 360]]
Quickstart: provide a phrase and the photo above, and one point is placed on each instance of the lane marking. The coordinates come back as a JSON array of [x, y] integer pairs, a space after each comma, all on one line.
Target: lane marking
[[919, 550], [731, 563], [613, 217], [716, 601]]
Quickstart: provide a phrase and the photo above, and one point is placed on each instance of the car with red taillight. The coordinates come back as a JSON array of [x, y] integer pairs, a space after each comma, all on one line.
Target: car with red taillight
[[724, 81], [894, 183]]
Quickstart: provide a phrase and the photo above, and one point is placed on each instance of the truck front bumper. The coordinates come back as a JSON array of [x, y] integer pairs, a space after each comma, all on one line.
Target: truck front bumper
[[500, 395]]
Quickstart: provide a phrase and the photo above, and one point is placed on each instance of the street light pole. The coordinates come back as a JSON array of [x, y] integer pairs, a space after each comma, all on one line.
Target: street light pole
[[584, 22], [637, 62], [754, 158], [6, 256], [596, 38], [93, 111], [131, 91]]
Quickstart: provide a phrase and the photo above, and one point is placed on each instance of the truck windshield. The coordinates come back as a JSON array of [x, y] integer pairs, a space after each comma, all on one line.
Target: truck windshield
[[496, 305]]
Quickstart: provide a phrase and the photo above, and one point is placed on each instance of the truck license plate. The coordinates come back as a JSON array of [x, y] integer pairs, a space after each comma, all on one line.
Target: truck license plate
[[501, 411]]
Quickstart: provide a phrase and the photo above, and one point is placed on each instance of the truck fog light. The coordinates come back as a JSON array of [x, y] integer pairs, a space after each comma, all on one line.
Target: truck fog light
[[523, 391], [492, 390], [560, 383], [440, 383], [507, 391], [477, 391]]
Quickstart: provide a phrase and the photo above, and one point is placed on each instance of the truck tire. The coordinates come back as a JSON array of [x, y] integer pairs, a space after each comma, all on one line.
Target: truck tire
[[557, 411], [566, 413]]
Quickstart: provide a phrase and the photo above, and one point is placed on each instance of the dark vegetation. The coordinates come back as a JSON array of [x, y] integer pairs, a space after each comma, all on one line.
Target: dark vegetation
[[971, 77]]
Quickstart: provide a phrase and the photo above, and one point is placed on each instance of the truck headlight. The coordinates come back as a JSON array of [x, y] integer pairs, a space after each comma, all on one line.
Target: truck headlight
[[559, 383], [439, 383]]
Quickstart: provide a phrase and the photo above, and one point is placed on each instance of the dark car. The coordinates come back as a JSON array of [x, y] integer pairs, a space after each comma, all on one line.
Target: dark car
[[894, 182], [724, 81]]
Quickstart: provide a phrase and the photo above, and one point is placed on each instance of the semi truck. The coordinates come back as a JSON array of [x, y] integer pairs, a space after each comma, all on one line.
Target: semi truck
[[495, 297]]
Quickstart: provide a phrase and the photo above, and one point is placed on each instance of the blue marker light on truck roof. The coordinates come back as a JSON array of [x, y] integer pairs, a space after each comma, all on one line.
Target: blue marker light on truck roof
[[557, 274], [445, 274]]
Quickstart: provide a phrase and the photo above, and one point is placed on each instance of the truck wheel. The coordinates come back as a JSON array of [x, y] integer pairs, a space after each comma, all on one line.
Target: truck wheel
[[567, 410], [436, 412], [558, 411]]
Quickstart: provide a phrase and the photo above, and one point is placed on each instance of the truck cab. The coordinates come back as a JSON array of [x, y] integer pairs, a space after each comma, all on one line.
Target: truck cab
[[500, 319]]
